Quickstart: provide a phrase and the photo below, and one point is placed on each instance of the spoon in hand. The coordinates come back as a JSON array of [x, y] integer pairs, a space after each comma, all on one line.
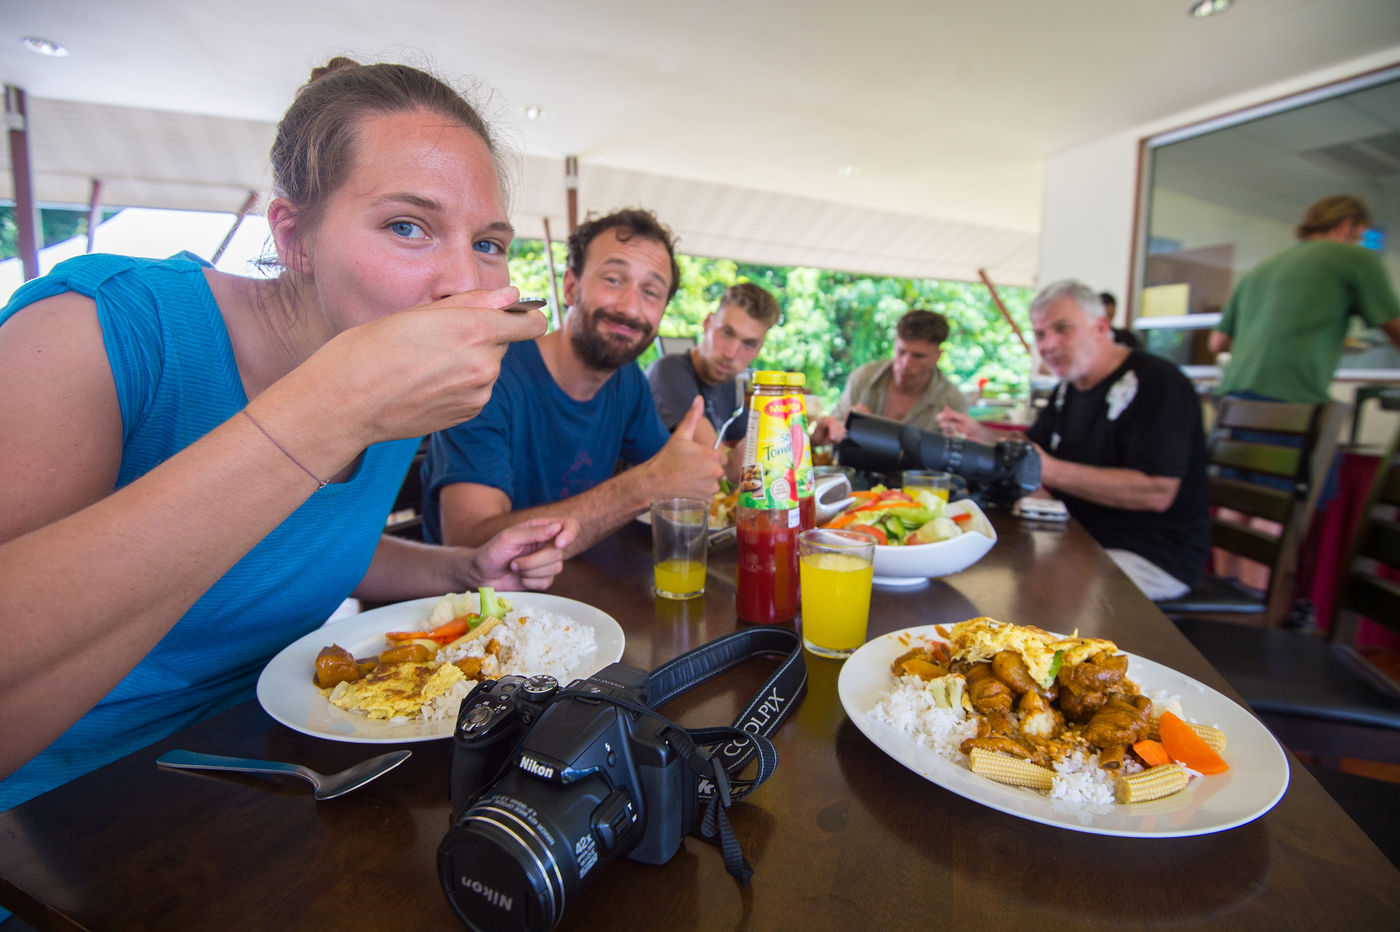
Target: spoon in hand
[[525, 304], [328, 786]]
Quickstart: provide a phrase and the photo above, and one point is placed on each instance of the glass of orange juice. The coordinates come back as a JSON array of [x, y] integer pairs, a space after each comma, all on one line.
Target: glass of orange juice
[[679, 542], [939, 483], [837, 569]]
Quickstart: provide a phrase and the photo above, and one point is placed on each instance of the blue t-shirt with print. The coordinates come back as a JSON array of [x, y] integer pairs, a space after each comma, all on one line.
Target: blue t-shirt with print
[[539, 445]]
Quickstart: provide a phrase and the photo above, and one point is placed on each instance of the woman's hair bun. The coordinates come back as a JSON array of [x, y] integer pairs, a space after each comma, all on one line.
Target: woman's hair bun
[[339, 63]]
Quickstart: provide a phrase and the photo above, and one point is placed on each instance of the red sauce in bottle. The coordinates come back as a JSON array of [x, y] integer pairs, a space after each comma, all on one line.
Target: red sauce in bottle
[[766, 586]]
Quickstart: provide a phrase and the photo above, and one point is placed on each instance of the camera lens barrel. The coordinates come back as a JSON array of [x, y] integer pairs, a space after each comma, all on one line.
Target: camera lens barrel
[[498, 869]]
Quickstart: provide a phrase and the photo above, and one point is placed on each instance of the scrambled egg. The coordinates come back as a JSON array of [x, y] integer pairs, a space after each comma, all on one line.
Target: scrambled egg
[[981, 638], [395, 689]]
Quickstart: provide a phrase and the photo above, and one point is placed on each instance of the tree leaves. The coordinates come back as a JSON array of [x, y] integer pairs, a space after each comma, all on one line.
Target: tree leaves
[[835, 321]]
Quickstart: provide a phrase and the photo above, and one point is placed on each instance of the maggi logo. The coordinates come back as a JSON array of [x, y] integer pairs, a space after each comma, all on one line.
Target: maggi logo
[[782, 407]]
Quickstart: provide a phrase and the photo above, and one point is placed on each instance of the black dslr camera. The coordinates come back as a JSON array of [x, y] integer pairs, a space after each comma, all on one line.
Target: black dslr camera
[[549, 786], [995, 473]]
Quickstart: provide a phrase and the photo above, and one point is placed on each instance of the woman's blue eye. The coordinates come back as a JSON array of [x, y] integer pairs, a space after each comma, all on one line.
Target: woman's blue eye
[[490, 247], [405, 228]]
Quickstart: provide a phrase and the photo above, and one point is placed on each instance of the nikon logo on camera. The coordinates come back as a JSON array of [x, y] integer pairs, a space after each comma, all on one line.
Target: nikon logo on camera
[[530, 765], [494, 897]]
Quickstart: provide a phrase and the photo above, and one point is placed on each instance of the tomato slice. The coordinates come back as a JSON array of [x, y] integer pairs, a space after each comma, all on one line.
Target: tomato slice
[[873, 531]]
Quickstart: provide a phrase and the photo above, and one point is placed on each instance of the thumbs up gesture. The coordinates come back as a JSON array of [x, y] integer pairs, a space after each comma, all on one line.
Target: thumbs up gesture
[[687, 466]]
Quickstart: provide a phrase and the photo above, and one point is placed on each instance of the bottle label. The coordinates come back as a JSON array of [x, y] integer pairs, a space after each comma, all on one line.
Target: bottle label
[[769, 477]]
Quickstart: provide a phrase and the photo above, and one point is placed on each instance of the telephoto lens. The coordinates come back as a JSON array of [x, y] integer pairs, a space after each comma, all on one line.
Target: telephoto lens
[[999, 473]]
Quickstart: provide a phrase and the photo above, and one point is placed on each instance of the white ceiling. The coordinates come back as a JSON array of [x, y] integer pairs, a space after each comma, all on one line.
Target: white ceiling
[[730, 118]]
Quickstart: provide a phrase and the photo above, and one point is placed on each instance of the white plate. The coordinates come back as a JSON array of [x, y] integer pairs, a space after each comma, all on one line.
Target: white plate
[[1256, 780], [286, 693]]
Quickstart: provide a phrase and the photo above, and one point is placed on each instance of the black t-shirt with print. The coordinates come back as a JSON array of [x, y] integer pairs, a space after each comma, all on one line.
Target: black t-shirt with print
[[1145, 416]]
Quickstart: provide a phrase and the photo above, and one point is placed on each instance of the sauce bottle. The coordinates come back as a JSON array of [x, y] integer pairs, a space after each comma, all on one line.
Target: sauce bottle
[[766, 584], [802, 451]]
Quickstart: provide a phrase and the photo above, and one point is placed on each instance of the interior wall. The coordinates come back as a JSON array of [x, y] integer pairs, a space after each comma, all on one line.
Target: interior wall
[[1196, 223], [1091, 191], [1090, 207]]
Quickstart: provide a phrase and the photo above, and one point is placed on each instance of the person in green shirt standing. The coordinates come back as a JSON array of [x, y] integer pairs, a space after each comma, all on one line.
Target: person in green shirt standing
[[1286, 320], [1285, 323]]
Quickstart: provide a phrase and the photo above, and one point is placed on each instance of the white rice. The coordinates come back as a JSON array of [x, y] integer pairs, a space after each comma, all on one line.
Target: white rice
[[1079, 784], [531, 643]]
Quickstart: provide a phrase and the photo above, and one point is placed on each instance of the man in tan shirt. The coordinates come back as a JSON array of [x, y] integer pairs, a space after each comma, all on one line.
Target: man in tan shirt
[[908, 388]]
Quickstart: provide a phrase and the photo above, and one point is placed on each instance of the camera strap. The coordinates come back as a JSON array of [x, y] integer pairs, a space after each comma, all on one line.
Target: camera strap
[[765, 712], [733, 745], [737, 744]]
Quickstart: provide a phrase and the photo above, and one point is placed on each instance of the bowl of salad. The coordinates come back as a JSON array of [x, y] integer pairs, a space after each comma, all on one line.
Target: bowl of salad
[[917, 535]]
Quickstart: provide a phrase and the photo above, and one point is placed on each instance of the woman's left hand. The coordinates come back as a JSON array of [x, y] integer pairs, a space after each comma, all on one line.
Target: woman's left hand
[[524, 556]]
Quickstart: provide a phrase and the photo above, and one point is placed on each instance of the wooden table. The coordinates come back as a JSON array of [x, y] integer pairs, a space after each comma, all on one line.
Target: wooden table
[[841, 837]]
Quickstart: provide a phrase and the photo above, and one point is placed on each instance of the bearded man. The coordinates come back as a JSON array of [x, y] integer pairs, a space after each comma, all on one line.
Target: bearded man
[[572, 406]]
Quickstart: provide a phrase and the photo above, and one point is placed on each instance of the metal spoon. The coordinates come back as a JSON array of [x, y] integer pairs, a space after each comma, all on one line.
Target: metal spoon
[[719, 434], [525, 304], [328, 786]]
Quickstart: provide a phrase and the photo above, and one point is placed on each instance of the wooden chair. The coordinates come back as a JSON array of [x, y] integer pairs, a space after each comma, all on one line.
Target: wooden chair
[[406, 518], [1294, 443], [1321, 694]]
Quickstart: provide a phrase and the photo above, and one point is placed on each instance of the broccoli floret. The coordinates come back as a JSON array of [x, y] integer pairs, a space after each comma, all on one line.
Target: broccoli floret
[[493, 606]]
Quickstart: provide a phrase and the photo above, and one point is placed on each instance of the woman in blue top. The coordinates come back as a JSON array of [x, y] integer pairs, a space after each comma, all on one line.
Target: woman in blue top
[[198, 466]]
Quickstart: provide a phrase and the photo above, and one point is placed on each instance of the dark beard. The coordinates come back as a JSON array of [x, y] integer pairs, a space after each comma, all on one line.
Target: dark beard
[[597, 351]]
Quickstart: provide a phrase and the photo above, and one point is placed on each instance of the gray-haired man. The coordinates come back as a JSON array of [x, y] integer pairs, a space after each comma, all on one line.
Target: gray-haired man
[[1121, 443]]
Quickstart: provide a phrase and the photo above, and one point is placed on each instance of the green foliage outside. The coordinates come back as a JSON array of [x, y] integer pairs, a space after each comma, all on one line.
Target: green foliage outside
[[834, 321], [57, 223]]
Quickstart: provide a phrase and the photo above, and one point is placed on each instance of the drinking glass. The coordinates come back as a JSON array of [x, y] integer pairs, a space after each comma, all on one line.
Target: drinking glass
[[837, 569], [679, 541], [929, 480]]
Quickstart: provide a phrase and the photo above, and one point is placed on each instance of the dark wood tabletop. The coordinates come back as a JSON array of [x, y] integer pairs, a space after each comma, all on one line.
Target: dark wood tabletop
[[842, 836]]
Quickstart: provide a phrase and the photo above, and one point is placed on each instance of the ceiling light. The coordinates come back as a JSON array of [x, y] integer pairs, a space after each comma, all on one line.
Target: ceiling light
[[1203, 8], [41, 46], [848, 171], [534, 113]]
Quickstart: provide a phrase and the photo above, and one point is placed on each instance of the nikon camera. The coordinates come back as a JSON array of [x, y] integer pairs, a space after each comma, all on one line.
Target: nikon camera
[[549, 787]]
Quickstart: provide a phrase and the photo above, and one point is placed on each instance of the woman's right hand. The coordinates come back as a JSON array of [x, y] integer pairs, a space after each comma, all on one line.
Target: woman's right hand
[[423, 369]]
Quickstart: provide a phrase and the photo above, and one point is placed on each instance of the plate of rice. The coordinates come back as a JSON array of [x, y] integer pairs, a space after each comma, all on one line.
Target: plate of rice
[[541, 633], [905, 722]]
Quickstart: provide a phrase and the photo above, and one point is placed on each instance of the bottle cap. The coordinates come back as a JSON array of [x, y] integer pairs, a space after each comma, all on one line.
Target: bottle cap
[[769, 377]]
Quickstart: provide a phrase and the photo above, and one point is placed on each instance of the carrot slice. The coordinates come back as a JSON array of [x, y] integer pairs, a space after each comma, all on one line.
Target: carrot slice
[[1152, 752], [451, 630], [1187, 747]]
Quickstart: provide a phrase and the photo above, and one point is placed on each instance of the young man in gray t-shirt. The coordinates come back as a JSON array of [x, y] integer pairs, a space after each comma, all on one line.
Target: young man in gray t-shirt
[[733, 335]]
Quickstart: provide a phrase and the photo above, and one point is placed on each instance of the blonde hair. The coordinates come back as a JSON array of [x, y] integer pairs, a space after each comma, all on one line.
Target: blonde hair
[[752, 300], [1329, 213]]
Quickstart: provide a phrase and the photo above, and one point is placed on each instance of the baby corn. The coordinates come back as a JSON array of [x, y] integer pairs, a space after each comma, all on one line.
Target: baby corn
[[1153, 783], [1014, 771], [1210, 735]]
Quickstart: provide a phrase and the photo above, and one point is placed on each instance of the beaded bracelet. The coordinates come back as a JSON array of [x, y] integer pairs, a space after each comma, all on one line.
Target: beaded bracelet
[[320, 483]]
